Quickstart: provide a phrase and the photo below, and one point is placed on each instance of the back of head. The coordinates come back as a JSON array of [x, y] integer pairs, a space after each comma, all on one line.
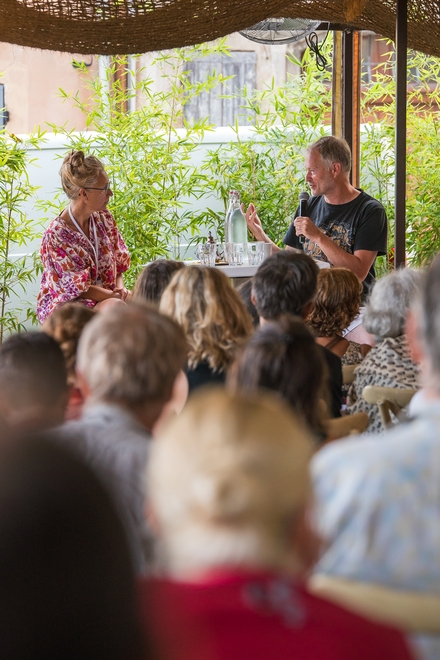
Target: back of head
[[333, 150], [154, 279], [210, 312], [65, 325], [283, 356], [131, 355], [245, 293], [79, 171], [33, 379], [227, 480], [389, 303], [68, 586], [428, 316], [336, 302], [284, 284]]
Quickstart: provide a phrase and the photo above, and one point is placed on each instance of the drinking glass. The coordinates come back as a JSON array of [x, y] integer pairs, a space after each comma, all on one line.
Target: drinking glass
[[255, 252], [206, 253], [234, 253]]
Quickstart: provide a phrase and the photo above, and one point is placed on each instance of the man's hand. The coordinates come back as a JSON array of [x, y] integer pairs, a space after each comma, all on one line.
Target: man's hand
[[254, 223], [305, 227]]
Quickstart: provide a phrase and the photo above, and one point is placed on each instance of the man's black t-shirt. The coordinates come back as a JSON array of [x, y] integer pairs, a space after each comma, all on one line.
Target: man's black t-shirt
[[358, 225]]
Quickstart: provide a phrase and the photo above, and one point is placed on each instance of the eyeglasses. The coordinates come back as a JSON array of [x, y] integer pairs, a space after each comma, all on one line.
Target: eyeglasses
[[104, 190]]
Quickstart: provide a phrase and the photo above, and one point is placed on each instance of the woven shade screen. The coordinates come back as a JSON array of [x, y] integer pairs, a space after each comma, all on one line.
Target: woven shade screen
[[111, 27]]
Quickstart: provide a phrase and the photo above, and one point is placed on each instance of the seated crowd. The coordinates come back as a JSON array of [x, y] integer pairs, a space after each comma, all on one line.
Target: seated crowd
[[142, 519]]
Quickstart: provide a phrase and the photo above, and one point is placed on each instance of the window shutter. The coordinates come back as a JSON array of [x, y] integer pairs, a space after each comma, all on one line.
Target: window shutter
[[223, 111]]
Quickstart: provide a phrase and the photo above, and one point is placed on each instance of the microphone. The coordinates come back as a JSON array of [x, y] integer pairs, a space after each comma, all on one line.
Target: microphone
[[303, 199]]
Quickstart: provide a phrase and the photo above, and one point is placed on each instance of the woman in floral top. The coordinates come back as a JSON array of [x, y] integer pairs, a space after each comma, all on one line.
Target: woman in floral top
[[82, 251]]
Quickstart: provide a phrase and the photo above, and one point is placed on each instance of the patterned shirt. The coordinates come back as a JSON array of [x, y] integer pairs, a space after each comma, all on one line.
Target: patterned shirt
[[387, 365], [69, 262], [378, 509]]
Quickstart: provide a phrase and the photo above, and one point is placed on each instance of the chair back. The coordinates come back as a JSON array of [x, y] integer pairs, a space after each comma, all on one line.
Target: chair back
[[388, 400], [412, 611], [348, 373]]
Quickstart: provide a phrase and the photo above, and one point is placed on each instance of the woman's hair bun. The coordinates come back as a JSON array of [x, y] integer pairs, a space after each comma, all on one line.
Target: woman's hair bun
[[76, 160]]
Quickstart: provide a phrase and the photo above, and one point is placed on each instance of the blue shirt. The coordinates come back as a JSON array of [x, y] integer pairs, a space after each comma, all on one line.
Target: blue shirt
[[378, 508]]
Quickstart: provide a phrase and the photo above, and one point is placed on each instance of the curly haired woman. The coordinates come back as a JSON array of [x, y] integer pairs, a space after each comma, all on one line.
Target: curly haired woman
[[335, 306]]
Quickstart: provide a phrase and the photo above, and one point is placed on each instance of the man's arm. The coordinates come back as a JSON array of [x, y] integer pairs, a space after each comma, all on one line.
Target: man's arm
[[359, 262]]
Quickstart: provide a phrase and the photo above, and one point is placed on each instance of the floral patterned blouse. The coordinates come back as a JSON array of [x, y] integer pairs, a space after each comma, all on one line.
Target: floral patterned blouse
[[69, 262]]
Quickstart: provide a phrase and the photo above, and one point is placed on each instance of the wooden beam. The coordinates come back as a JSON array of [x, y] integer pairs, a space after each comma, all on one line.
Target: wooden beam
[[337, 84], [347, 108], [401, 101], [346, 88], [356, 144]]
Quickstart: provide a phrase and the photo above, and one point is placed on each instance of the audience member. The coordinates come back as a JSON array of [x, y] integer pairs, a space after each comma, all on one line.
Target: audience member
[[389, 363], [213, 317], [128, 361], [378, 498], [154, 279], [335, 306], [33, 382], [245, 292], [66, 324], [282, 356], [67, 582], [229, 496], [286, 283]]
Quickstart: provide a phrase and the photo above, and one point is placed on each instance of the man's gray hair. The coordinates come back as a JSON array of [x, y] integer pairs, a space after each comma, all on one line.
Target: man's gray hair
[[428, 318], [131, 354], [333, 150], [389, 303]]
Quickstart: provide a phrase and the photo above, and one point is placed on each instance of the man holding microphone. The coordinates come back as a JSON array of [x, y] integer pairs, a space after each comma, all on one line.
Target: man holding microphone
[[344, 225]]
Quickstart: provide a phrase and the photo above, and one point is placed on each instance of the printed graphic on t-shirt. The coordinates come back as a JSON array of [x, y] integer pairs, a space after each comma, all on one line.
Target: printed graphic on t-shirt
[[340, 234]]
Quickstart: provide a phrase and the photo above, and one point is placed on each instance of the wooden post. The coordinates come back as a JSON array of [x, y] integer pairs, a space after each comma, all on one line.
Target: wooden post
[[337, 100], [346, 87], [401, 100], [356, 144], [347, 112]]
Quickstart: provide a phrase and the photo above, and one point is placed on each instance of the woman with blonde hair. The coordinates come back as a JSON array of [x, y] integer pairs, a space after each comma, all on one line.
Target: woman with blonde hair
[[213, 317], [335, 305], [229, 489], [83, 253]]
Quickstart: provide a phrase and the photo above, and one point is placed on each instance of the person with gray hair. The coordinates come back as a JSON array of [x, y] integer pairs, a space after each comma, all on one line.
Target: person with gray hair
[[228, 485], [377, 498], [342, 225], [129, 363], [389, 363]]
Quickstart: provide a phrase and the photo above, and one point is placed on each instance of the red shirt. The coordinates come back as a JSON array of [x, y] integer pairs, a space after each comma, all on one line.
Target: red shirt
[[259, 616]]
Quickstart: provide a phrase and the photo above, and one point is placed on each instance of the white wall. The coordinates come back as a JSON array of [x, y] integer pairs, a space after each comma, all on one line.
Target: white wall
[[44, 173]]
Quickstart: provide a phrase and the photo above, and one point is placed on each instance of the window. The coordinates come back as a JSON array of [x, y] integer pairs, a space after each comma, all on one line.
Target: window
[[221, 111], [4, 114]]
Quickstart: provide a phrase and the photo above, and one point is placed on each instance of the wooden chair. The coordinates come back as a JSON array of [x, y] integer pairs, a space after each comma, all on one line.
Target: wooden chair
[[388, 400], [339, 427], [412, 611], [348, 373]]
